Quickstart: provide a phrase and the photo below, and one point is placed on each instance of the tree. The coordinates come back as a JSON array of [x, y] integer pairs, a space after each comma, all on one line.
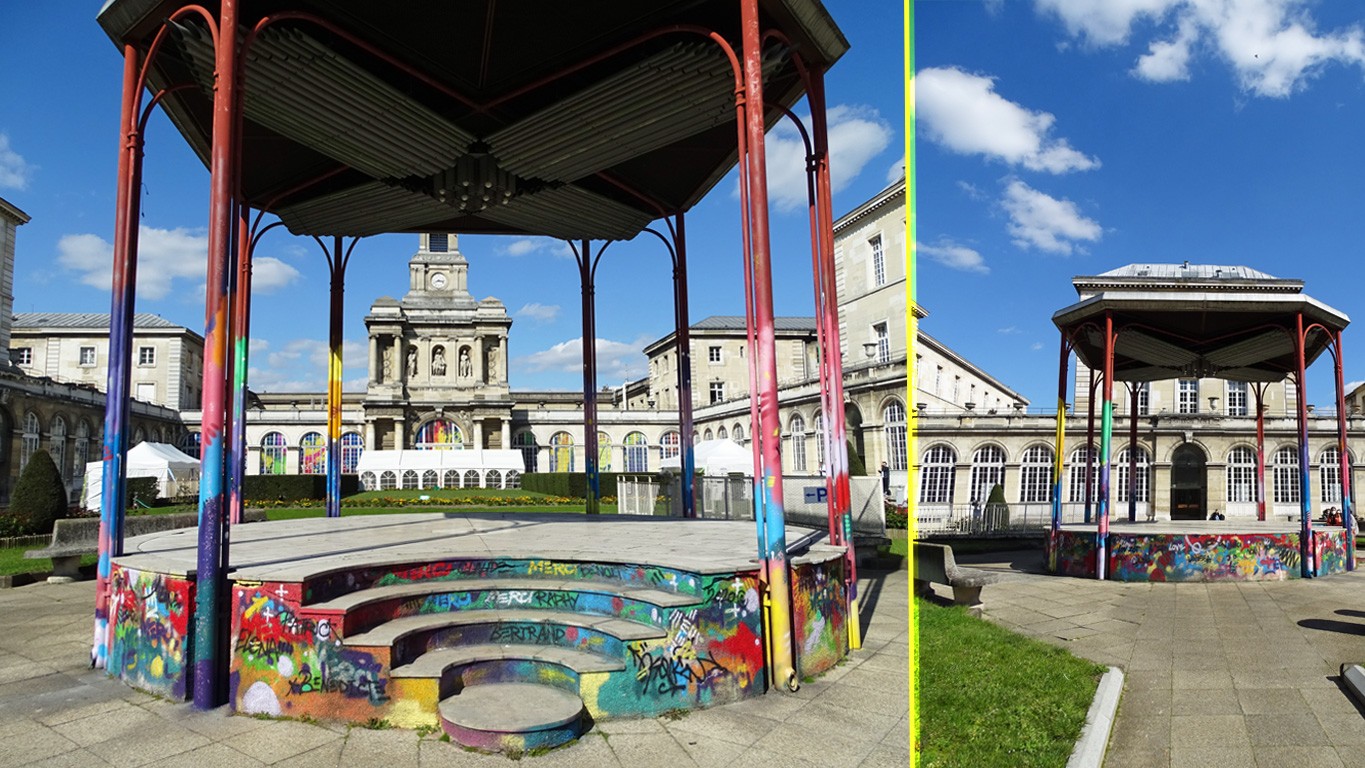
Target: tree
[[997, 510], [39, 498], [856, 468]]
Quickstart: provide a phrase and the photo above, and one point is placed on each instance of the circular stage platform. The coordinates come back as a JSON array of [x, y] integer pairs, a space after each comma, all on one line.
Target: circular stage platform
[[1204, 550], [386, 617]]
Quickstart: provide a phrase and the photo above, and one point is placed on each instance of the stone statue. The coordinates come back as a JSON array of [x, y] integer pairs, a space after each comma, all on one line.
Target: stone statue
[[412, 361], [388, 364], [438, 361], [492, 367], [466, 365]]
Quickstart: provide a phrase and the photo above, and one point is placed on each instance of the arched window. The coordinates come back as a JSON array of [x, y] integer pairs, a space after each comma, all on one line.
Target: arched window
[[189, 444], [722, 434], [1035, 481], [796, 433], [368, 481], [410, 479], [1143, 475], [893, 426], [81, 446], [526, 441], [1285, 470], [1241, 474], [637, 452], [273, 454], [493, 479], [438, 434], [430, 479], [668, 445], [708, 435], [471, 478], [1076, 474], [696, 437], [352, 445], [139, 436], [58, 439], [513, 479], [561, 452], [313, 460], [737, 434], [988, 471], [819, 422], [937, 475], [451, 479], [603, 452], [1329, 475], [388, 480]]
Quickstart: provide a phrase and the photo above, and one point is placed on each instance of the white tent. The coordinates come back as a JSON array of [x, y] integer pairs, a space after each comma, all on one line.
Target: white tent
[[177, 474], [715, 458], [478, 468]]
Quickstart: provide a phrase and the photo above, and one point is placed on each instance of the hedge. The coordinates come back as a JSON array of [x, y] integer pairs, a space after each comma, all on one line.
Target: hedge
[[294, 487], [575, 484], [143, 489], [38, 500]]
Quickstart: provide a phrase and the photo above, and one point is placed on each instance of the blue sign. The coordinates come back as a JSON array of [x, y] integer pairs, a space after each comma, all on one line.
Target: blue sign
[[815, 494]]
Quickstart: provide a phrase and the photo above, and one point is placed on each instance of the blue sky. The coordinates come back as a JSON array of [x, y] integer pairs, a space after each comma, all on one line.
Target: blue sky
[[1069, 137], [58, 139]]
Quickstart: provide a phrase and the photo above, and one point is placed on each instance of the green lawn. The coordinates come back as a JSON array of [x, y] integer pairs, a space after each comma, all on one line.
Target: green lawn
[[294, 513], [12, 561], [989, 697]]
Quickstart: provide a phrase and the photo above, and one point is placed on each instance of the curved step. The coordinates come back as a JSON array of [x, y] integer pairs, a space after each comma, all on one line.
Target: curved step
[[512, 717], [392, 631], [434, 663], [351, 600]]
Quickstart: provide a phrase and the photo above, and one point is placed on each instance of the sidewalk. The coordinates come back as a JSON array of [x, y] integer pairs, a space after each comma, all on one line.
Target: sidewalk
[[1220, 674], [55, 711]]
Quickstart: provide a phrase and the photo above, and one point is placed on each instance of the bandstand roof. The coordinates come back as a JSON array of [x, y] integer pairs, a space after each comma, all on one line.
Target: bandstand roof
[[1193, 320], [368, 123]]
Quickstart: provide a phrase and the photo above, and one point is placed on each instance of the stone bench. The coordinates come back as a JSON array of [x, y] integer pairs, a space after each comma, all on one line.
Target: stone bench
[[73, 538], [934, 563]]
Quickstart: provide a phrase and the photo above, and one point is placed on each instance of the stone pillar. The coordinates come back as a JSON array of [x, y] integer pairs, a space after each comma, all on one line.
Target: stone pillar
[[478, 433], [399, 359], [400, 433], [506, 434], [375, 364], [370, 443]]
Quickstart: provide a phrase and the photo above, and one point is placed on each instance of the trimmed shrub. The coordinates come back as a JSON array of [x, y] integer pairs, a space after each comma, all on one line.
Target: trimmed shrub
[[143, 491], [294, 487], [38, 500], [856, 468], [997, 510]]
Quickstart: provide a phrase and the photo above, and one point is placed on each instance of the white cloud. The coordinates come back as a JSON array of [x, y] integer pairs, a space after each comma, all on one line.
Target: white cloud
[[164, 256], [1041, 221], [1009, 331], [1352, 386], [969, 189], [543, 313], [963, 113], [954, 256], [300, 365], [896, 172], [1035, 346], [616, 360], [856, 135], [526, 246], [1272, 46], [14, 170], [270, 274]]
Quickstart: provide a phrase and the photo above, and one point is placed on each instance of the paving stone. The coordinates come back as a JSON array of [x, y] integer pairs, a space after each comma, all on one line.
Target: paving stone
[[209, 756], [1286, 729], [1298, 757]]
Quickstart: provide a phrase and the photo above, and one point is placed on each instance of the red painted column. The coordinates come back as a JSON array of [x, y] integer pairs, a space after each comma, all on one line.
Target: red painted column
[[1347, 511], [1308, 567], [1106, 435], [774, 550]]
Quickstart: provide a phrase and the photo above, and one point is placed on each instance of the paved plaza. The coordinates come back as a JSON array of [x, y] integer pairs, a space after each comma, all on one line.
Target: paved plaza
[[55, 711], [1217, 674]]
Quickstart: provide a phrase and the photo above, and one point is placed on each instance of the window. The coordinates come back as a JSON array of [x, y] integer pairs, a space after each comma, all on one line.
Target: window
[[1080, 459], [820, 441], [439, 434], [314, 454], [87, 356], [368, 482], [1285, 470], [273, 454], [637, 452], [722, 433], [957, 387], [883, 343], [937, 475], [526, 441], [146, 355], [21, 355], [1144, 398], [81, 447], [938, 381], [32, 436], [189, 444], [1241, 475], [603, 452], [1035, 484], [988, 471], [409, 479], [717, 390], [471, 478], [878, 261], [707, 435], [58, 449], [1144, 476], [438, 242], [713, 355], [797, 435], [430, 479], [451, 479], [561, 452], [388, 480], [1237, 398], [351, 447], [493, 479], [737, 434], [1189, 396], [669, 445], [1329, 475], [893, 427]]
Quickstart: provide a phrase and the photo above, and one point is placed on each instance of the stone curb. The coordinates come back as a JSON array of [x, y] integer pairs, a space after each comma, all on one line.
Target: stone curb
[[1354, 677], [1099, 721]]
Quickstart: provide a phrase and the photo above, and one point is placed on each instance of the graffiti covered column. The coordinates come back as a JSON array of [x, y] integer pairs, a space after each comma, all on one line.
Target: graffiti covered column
[[683, 337], [1106, 436], [1307, 566], [1344, 458], [1259, 389], [1063, 366]]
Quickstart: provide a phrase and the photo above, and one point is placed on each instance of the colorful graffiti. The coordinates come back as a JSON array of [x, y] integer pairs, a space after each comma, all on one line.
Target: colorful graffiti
[[1075, 553], [820, 615], [1200, 557], [149, 643]]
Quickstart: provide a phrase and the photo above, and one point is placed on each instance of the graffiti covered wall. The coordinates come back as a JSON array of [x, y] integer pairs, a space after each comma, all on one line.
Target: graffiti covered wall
[[821, 616], [149, 641], [1200, 557], [1075, 554]]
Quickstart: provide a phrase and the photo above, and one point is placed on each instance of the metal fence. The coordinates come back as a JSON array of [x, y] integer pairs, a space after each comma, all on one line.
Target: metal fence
[[991, 520], [731, 498]]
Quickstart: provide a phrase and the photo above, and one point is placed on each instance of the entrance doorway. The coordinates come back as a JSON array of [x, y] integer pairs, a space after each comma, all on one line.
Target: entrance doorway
[[1189, 483]]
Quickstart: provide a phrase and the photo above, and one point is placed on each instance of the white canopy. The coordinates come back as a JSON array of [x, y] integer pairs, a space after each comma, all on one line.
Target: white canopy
[[177, 473], [373, 464], [715, 457]]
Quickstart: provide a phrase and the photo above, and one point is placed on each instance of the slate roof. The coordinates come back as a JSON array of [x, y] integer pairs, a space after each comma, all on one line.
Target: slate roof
[[92, 320]]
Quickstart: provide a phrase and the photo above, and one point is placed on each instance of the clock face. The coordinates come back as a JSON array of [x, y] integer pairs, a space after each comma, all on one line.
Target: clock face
[[438, 280]]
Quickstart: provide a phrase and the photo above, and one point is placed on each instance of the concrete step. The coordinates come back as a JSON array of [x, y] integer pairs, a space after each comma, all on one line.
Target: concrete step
[[390, 632], [512, 717], [433, 664]]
